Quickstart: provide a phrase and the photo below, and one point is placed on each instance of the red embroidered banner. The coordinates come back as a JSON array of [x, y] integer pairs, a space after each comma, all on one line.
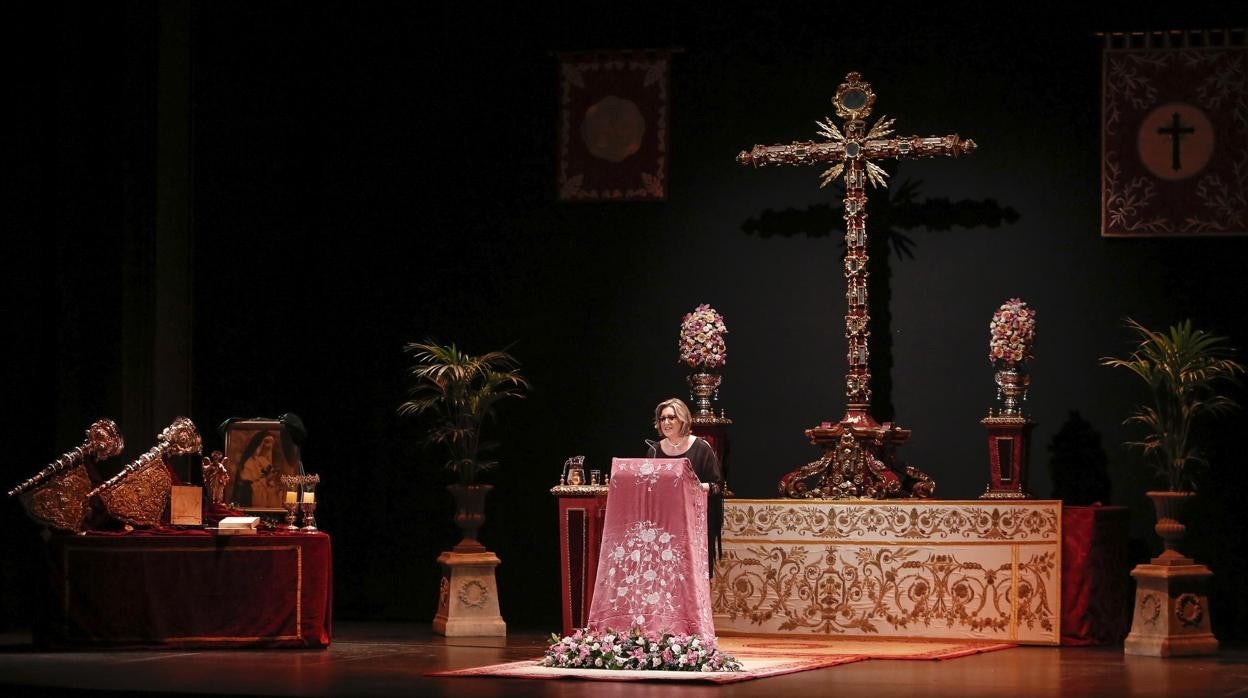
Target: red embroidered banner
[[1174, 136], [613, 126]]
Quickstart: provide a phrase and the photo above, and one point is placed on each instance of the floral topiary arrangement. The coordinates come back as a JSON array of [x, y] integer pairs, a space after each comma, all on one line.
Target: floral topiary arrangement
[[1012, 333], [702, 338], [637, 650]]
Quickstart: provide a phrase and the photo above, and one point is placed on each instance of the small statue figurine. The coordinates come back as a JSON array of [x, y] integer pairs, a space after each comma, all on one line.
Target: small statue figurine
[[216, 476]]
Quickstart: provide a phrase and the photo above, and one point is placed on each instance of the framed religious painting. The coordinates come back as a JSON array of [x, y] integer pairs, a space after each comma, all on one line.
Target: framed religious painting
[[259, 452], [613, 125], [1174, 134]]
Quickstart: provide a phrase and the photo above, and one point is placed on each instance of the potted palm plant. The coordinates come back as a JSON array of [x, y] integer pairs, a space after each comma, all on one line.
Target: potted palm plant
[[459, 392], [1184, 370]]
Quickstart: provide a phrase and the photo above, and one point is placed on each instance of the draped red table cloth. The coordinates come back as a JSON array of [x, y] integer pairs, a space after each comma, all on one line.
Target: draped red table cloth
[[652, 565], [1094, 575], [189, 588]]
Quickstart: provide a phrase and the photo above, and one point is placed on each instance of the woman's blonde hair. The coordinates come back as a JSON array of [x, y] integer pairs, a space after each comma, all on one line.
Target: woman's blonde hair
[[682, 415]]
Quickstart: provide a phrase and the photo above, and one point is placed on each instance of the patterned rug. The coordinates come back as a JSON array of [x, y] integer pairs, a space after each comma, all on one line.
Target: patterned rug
[[760, 656]]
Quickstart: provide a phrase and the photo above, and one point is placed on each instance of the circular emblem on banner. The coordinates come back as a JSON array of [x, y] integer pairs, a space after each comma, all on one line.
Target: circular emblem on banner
[[613, 128], [1175, 141]]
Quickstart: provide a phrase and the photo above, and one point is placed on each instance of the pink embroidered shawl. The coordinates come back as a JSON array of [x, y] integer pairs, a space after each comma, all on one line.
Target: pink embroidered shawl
[[652, 568]]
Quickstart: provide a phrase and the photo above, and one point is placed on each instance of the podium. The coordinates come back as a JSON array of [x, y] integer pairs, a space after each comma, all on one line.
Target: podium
[[652, 575], [582, 511]]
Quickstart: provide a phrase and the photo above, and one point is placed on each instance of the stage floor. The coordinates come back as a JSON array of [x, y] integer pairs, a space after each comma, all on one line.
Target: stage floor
[[391, 659]]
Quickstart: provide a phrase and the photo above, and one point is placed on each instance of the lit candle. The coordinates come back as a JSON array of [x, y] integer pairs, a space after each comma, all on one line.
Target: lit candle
[[292, 496], [309, 497]]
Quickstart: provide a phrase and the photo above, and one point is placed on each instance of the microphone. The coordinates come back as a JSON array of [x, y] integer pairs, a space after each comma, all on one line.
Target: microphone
[[654, 448]]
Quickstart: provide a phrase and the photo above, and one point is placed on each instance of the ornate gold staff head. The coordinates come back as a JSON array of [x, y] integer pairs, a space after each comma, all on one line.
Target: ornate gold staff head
[[182, 438], [138, 494], [56, 495]]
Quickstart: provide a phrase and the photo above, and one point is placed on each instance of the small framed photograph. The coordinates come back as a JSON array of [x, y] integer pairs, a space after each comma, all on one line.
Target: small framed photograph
[[260, 452]]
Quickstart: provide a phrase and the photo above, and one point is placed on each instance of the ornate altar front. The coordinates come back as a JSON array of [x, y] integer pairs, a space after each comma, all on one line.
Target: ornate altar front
[[891, 569]]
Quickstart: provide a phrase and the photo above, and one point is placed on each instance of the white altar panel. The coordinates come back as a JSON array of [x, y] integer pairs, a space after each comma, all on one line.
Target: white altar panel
[[891, 569]]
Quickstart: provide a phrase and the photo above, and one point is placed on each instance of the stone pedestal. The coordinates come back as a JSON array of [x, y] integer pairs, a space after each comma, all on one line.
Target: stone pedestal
[[1171, 616], [468, 596]]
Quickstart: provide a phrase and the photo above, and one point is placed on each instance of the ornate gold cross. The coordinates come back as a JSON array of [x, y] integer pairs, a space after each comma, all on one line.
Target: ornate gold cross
[[854, 151]]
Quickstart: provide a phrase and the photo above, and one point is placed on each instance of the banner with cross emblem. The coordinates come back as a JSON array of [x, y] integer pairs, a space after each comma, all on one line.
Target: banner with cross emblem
[[1174, 124]]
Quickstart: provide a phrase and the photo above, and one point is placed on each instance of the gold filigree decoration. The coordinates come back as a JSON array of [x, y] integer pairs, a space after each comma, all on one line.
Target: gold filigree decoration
[[893, 522], [862, 589], [56, 495], [141, 498], [60, 503], [138, 494]]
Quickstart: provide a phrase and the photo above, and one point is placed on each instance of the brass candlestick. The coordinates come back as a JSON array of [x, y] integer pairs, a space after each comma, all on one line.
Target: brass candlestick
[[291, 501], [308, 502]]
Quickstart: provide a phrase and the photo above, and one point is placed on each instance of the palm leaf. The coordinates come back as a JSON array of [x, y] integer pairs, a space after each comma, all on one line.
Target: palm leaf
[[1183, 369], [458, 392]]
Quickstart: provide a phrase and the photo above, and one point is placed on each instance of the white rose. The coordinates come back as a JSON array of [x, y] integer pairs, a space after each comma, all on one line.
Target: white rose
[[667, 555]]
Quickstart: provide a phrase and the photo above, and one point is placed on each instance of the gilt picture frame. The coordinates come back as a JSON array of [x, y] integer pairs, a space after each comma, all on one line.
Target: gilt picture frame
[[259, 452]]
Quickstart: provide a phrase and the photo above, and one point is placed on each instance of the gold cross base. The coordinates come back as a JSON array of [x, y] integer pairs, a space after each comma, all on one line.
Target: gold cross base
[[858, 462]]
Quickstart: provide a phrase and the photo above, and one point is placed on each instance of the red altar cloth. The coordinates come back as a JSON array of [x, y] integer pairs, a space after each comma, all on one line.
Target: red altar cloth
[[652, 567], [1094, 575], [189, 588]]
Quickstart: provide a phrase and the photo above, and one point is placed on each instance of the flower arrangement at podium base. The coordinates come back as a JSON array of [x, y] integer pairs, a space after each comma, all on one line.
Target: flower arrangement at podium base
[[1012, 333], [1184, 369], [637, 651]]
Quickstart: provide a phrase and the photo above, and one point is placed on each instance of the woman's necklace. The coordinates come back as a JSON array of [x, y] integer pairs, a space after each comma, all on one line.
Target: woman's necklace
[[676, 445]]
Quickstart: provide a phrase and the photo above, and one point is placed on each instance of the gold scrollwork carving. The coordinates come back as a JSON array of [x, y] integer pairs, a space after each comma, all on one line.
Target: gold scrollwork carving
[[900, 521], [857, 589]]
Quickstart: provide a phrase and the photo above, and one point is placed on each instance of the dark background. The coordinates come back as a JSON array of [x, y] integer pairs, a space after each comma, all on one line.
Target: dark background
[[279, 195]]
